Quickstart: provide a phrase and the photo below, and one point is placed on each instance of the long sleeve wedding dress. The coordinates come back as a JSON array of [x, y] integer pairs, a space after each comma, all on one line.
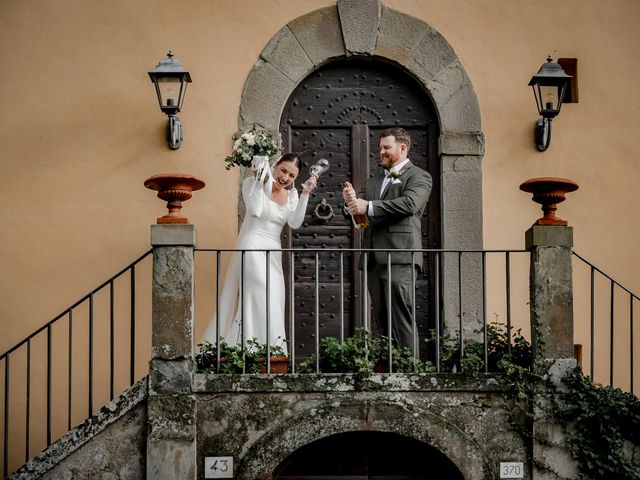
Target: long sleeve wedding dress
[[261, 230]]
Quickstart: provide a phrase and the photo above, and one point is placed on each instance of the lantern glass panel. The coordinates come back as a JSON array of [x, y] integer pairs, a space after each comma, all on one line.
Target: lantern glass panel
[[169, 89], [549, 97]]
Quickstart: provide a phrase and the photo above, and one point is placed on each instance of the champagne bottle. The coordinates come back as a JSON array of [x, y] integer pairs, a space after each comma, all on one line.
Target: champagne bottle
[[360, 221]]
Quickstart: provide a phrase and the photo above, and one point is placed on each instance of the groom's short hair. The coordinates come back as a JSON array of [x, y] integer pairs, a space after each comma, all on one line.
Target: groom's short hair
[[400, 134]]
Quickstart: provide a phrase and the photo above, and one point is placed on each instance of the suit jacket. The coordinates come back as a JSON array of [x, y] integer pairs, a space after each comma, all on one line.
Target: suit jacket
[[397, 212]]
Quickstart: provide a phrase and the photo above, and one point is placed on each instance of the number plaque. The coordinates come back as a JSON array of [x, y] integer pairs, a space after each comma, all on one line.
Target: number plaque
[[511, 470], [218, 467]]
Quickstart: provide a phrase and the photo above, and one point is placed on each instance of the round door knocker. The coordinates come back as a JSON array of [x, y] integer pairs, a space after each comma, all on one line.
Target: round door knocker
[[323, 211]]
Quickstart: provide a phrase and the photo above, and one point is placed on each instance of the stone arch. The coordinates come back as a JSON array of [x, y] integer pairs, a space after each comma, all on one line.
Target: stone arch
[[369, 28], [331, 418]]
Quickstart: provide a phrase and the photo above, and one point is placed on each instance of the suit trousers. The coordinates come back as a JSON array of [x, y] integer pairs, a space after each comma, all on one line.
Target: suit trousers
[[399, 303]]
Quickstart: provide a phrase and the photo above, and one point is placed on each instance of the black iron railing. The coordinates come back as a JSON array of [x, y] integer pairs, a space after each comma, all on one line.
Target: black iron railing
[[608, 310], [460, 288], [78, 355], [71, 360]]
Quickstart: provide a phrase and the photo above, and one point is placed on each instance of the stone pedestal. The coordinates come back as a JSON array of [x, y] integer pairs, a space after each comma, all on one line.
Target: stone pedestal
[[551, 296], [171, 443]]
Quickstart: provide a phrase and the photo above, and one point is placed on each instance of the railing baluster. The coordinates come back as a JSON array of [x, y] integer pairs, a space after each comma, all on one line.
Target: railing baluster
[[593, 323], [28, 403], [70, 371], [508, 284], [49, 385], [91, 355], [342, 297], [268, 269], [484, 313], [132, 316], [292, 304], [242, 331], [437, 307], [365, 306], [111, 339], [389, 307], [317, 311], [460, 309], [5, 460], [611, 337], [631, 342], [218, 258], [414, 328]]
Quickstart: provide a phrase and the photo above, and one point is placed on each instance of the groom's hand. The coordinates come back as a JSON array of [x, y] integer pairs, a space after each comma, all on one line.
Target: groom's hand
[[354, 205], [358, 206]]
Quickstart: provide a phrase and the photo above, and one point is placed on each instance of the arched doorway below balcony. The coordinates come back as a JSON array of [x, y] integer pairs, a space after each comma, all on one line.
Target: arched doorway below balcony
[[367, 455]]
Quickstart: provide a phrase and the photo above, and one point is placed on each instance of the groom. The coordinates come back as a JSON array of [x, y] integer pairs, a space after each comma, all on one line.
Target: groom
[[394, 199]]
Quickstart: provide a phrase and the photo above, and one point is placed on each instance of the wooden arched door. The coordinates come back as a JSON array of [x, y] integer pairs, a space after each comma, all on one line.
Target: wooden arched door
[[337, 113]]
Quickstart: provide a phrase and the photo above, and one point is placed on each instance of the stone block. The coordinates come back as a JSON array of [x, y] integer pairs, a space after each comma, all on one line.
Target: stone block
[[461, 112], [359, 20], [171, 444], [472, 295], [320, 34], [399, 36], [267, 82], [447, 83], [170, 460], [551, 291], [255, 110], [548, 235], [171, 417], [286, 54], [172, 302], [462, 143], [433, 54], [170, 376], [173, 235]]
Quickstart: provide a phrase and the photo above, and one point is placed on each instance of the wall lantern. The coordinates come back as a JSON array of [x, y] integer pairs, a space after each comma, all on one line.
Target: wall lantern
[[549, 85], [171, 81]]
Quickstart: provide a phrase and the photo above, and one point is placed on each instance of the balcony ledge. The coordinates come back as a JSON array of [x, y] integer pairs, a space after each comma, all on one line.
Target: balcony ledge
[[349, 382]]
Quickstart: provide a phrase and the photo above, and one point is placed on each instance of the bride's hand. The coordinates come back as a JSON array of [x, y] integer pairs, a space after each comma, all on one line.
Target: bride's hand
[[310, 185], [258, 165]]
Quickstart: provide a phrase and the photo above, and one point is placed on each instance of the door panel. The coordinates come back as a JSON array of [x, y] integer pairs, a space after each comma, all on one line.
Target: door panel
[[337, 113]]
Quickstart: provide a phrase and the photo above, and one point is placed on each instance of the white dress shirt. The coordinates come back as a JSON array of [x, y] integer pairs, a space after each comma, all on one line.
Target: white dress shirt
[[387, 178]]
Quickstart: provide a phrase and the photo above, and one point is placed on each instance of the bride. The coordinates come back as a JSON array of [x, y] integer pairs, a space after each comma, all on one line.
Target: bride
[[268, 208]]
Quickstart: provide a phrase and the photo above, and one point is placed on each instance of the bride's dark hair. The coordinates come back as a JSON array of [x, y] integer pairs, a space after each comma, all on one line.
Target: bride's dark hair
[[291, 157]]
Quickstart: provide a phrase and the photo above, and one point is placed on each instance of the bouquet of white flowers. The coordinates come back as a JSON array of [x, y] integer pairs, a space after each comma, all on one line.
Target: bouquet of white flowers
[[253, 142]]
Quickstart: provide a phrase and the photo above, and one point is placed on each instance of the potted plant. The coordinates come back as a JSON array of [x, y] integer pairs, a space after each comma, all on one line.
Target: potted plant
[[235, 359], [363, 354]]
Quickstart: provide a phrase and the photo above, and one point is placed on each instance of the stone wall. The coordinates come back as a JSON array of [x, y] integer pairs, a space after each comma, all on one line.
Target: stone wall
[[110, 445], [259, 421]]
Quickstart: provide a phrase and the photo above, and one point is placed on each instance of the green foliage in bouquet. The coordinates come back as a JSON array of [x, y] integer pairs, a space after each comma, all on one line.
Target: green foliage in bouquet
[[253, 142]]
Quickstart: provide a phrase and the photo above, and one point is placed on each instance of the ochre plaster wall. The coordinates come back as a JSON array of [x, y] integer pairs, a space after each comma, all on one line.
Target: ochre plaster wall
[[81, 129]]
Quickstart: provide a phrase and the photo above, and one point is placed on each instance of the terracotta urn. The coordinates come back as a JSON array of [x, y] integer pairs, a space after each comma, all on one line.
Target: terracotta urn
[[174, 188], [549, 191]]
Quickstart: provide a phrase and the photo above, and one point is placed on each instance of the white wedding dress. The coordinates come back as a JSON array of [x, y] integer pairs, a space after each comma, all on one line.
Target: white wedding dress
[[261, 229]]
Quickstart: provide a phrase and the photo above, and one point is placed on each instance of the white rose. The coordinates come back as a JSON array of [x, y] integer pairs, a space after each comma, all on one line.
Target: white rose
[[251, 139]]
